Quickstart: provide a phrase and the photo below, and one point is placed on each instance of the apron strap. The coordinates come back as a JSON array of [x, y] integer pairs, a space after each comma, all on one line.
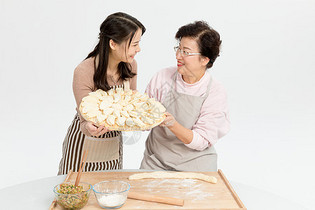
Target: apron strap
[[126, 84], [209, 86], [174, 78]]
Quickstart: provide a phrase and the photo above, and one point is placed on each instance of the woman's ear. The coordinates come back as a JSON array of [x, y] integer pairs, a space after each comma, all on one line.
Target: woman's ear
[[112, 44], [205, 61]]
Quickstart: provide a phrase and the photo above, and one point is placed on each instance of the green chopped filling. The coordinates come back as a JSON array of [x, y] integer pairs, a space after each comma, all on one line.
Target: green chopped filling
[[69, 189], [72, 197]]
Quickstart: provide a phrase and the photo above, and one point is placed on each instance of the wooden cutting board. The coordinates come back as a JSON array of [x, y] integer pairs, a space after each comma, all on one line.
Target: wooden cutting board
[[197, 194]]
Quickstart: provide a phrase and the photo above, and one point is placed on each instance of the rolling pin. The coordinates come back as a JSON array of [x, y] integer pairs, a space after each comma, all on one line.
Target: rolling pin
[[154, 198]]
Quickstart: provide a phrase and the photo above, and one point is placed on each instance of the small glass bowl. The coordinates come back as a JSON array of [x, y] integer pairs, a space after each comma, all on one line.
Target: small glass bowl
[[111, 194], [73, 201]]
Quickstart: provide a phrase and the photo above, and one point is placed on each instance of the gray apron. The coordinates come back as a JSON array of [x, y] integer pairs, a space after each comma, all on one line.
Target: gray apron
[[164, 151]]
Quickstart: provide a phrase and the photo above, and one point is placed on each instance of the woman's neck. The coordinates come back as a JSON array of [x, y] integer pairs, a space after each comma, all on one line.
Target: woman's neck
[[193, 78], [112, 68]]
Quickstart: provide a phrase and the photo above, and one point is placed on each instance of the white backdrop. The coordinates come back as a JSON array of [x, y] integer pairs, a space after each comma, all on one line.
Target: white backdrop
[[266, 64]]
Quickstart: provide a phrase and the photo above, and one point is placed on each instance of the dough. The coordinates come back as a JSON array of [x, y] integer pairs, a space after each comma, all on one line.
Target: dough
[[174, 175]]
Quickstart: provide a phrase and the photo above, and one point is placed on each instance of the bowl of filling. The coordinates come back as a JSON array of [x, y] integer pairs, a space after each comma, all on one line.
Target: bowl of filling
[[70, 196], [111, 194]]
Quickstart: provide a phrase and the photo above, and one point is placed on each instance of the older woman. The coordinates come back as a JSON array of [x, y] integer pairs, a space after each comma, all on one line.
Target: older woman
[[196, 104]]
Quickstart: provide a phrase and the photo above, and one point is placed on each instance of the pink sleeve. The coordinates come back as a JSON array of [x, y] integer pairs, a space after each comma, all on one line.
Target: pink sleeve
[[198, 142], [159, 86], [213, 122], [151, 89]]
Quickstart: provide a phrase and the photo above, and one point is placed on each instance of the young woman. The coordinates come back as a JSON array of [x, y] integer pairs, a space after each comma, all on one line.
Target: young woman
[[196, 104], [110, 64]]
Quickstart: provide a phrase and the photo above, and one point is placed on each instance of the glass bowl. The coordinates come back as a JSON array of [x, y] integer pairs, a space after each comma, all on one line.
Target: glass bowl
[[111, 194], [75, 200]]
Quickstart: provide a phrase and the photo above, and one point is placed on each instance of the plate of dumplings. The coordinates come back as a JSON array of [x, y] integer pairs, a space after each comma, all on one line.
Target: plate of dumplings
[[122, 109]]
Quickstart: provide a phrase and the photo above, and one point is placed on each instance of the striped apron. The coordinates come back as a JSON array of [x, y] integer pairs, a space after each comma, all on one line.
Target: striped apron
[[104, 152]]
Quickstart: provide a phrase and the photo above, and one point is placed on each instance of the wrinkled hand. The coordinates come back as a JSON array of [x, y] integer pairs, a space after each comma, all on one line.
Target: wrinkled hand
[[169, 120], [94, 130]]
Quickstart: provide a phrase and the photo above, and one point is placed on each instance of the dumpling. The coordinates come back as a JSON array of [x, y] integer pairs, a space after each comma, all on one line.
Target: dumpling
[[151, 101], [127, 98], [129, 107], [111, 120], [117, 106], [120, 91], [137, 95], [90, 99], [111, 92], [154, 115], [121, 121], [124, 113], [93, 113], [123, 103], [116, 113], [130, 122], [108, 111], [138, 122], [138, 104], [104, 105], [98, 94], [128, 92], [101, 118], [158, 107], [117, 97], [108, 99], [133, 113], [87, 107], [147, 120]]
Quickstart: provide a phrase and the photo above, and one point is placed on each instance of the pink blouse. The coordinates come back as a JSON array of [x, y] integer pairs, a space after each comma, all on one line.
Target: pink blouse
[[213, 122]]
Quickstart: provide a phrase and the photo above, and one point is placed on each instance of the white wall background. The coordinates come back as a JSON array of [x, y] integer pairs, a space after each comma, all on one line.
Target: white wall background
[[267, 66]]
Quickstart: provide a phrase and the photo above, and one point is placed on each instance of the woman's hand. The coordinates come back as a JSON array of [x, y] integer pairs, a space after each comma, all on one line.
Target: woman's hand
[[169, 120], [183, 134], [94, 130]]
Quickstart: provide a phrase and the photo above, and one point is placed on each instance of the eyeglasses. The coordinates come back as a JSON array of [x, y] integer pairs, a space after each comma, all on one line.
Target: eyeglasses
[[184, 53]]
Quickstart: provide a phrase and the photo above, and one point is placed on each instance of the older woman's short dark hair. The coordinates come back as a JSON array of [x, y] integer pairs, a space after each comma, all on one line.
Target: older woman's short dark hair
[[207, 38]]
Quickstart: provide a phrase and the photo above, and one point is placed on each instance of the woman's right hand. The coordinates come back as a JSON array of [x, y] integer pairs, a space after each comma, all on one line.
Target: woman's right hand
[[94, 130]]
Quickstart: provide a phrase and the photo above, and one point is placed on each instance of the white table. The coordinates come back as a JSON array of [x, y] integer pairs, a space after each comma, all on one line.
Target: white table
[[38, 195]]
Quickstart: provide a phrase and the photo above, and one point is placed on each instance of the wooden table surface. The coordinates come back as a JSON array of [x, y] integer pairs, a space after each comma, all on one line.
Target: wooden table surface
[[197, 194]]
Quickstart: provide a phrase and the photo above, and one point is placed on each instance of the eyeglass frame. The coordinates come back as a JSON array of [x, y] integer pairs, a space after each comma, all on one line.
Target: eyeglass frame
[[184, 53]]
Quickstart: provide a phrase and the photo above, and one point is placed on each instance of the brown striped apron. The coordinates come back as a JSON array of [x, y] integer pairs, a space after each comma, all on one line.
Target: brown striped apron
[[104, 152]]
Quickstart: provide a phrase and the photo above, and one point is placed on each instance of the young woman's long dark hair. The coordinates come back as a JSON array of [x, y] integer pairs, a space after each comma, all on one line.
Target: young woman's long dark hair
[[119, 27]]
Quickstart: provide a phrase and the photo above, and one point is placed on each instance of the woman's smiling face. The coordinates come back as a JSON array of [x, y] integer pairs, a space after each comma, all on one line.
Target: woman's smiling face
[[125, 53], [189, 65]]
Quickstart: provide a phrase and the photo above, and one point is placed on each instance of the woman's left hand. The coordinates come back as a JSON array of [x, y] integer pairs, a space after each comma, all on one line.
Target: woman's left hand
[[168, 121]]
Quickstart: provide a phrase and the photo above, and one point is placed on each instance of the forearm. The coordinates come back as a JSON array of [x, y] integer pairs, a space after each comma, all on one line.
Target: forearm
[[83, 128], [182, 133]]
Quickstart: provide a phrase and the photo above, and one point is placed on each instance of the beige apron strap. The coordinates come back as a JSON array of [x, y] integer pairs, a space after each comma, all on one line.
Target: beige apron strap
[[209, 86], [101, 149], [126, 85]]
